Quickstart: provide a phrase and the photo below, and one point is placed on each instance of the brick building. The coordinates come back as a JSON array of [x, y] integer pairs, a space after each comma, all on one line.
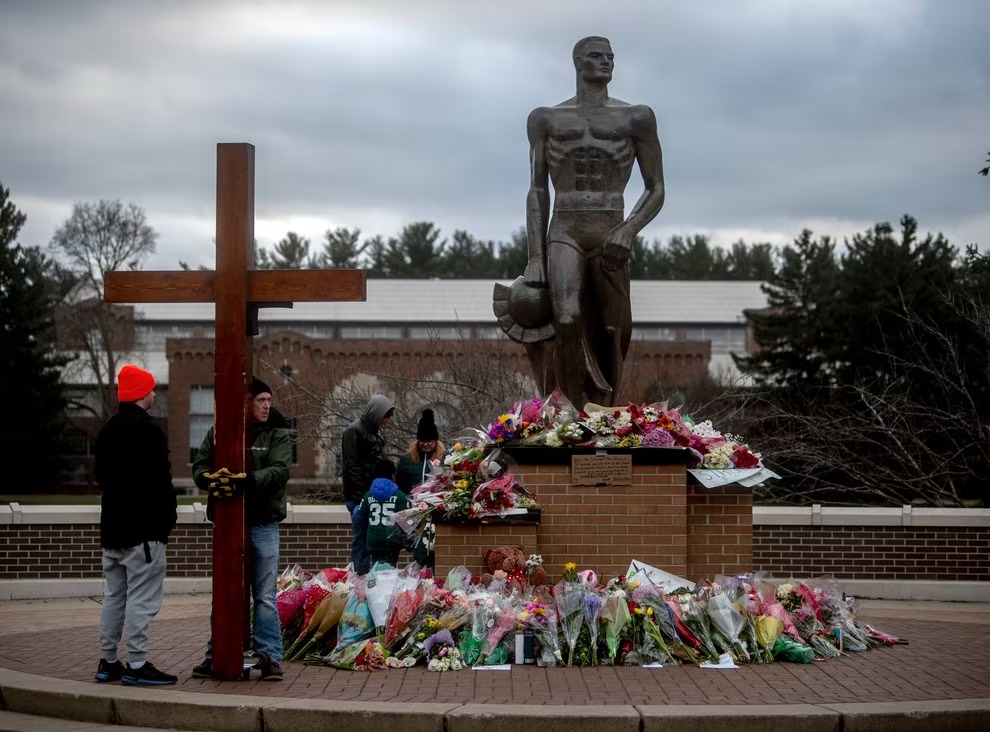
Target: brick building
[[412, 332]]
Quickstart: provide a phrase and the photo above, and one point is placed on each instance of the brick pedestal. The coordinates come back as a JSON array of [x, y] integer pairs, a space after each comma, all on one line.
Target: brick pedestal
[[659, 519]]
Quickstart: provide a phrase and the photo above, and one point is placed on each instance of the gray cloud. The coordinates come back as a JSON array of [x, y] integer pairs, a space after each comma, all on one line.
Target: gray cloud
[[773, 115]]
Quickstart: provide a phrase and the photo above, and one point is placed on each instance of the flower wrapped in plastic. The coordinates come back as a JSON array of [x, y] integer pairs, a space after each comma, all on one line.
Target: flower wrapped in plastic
[[325, 619], [363, 655], [690, 626], [591, 607], [615, 617], [381, 584], [441, 653], [727, 620], [292, 578], [788, 649], [484, 610], [662, 643], [539, 616], [356, 627], [494, 497], [569, 598], [318, 592], [492, 653], [289, 603], [405, 606]]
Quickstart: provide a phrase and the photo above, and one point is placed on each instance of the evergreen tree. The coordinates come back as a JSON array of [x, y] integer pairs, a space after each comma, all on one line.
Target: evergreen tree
[[886, 280], [417, 253], [468, 258], [292, 252], [29, 367], [513, 255], [753, 262], [376, 257], [694, 258], [794, 334], [341, 249]]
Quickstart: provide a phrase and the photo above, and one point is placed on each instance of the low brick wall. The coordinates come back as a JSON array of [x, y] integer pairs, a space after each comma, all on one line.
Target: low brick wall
[[659, 519], [940, 553], [62, 542]]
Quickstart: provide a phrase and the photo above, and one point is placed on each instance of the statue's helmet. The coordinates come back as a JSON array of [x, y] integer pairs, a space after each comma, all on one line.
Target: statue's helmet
[[524, 312]]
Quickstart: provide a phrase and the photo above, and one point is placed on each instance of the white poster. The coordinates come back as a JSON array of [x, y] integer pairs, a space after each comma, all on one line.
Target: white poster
[[747, 478]]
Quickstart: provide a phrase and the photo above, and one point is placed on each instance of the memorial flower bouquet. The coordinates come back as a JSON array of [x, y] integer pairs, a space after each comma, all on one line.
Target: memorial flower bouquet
[[484, 611], [592, 605], [628, 425], [539, 615], [568, 595], [615, 617], [441, 652], [725, 619], [802, 606]]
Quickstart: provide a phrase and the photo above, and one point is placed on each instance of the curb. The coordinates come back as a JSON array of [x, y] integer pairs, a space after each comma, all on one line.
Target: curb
[[118, 705]]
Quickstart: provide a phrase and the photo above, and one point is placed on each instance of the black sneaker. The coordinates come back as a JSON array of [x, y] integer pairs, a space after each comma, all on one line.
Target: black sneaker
[[272, 672], [109, 671], [204, 670], [147, 675]]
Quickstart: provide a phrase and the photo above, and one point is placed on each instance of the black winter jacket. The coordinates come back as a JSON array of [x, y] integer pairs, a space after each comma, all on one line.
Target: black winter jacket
[[135, 475], [363, 446]]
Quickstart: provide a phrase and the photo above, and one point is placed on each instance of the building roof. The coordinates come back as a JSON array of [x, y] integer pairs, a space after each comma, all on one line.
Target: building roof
[[470, 301]]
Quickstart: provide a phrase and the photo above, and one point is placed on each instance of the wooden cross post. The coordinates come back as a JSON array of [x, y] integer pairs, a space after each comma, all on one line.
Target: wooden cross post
[[237, 291]]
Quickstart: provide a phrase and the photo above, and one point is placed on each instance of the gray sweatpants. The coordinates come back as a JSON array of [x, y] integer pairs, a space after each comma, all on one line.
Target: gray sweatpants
[[132, 596]]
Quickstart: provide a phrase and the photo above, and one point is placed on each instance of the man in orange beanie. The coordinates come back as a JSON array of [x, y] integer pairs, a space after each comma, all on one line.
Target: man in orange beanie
[[136, 518]]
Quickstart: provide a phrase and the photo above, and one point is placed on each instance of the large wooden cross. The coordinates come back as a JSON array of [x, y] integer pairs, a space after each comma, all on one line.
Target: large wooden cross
[[237, 291]]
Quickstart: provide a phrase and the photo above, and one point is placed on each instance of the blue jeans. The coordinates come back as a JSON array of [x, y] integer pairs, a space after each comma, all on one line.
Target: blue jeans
[[359, 541], [264, 573]]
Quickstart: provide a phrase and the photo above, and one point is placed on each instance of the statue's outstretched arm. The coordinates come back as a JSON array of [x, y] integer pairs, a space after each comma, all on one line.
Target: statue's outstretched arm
[[538, 199]]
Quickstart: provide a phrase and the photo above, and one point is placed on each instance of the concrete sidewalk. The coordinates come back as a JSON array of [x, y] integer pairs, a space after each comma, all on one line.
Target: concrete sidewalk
[[948, 660]]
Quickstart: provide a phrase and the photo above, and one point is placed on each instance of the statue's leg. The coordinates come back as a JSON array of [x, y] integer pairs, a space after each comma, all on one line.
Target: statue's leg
[[567, 271], [612, 290]]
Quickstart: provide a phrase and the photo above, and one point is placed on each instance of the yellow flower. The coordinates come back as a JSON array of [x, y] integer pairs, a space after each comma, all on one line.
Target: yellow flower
[[633, 585], [638, 611], [570, 567], [649, 610], [458, 447]]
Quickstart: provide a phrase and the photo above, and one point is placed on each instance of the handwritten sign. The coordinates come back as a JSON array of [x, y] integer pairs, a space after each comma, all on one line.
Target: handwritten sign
[[601, 469], [747, 478]]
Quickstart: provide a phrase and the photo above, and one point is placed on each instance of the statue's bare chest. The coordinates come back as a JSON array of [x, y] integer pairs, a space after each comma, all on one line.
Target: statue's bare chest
[[586, 126]]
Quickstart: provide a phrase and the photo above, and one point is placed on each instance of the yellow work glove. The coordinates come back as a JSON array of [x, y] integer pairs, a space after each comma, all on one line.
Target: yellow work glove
[[224, 484]]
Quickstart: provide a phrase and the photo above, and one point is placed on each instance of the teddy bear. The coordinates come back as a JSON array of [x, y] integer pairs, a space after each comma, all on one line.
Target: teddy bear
[[512, 561]]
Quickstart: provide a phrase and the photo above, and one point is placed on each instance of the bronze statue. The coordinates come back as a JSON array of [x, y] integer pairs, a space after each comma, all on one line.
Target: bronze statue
[[571, 307]]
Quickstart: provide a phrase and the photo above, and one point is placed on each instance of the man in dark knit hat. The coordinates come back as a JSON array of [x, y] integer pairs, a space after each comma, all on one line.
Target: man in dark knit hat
[[137, 516], [264, 503]]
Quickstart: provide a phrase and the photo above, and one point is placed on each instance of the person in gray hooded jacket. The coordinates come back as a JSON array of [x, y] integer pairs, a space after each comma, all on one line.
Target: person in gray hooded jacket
[[362, 447]]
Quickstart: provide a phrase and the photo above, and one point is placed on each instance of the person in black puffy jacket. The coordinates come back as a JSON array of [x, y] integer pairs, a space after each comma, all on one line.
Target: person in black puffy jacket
[[136, 518], [362, 447]]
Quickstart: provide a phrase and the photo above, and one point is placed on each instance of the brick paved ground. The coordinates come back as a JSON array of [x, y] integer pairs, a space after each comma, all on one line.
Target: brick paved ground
[[948, 658]]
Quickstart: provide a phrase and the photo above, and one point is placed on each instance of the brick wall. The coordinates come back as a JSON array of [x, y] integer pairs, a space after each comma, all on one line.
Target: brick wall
[[72, 551], [719, 531], [658, 519], [463, 545], [50, 550], [944, 553]]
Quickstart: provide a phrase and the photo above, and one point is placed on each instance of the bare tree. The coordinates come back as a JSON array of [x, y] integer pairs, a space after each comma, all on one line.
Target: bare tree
[[96, 238], [465, 381], [884, 440]]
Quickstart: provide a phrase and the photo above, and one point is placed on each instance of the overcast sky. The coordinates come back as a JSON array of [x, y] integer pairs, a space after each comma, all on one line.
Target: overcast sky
[[773, 115]]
